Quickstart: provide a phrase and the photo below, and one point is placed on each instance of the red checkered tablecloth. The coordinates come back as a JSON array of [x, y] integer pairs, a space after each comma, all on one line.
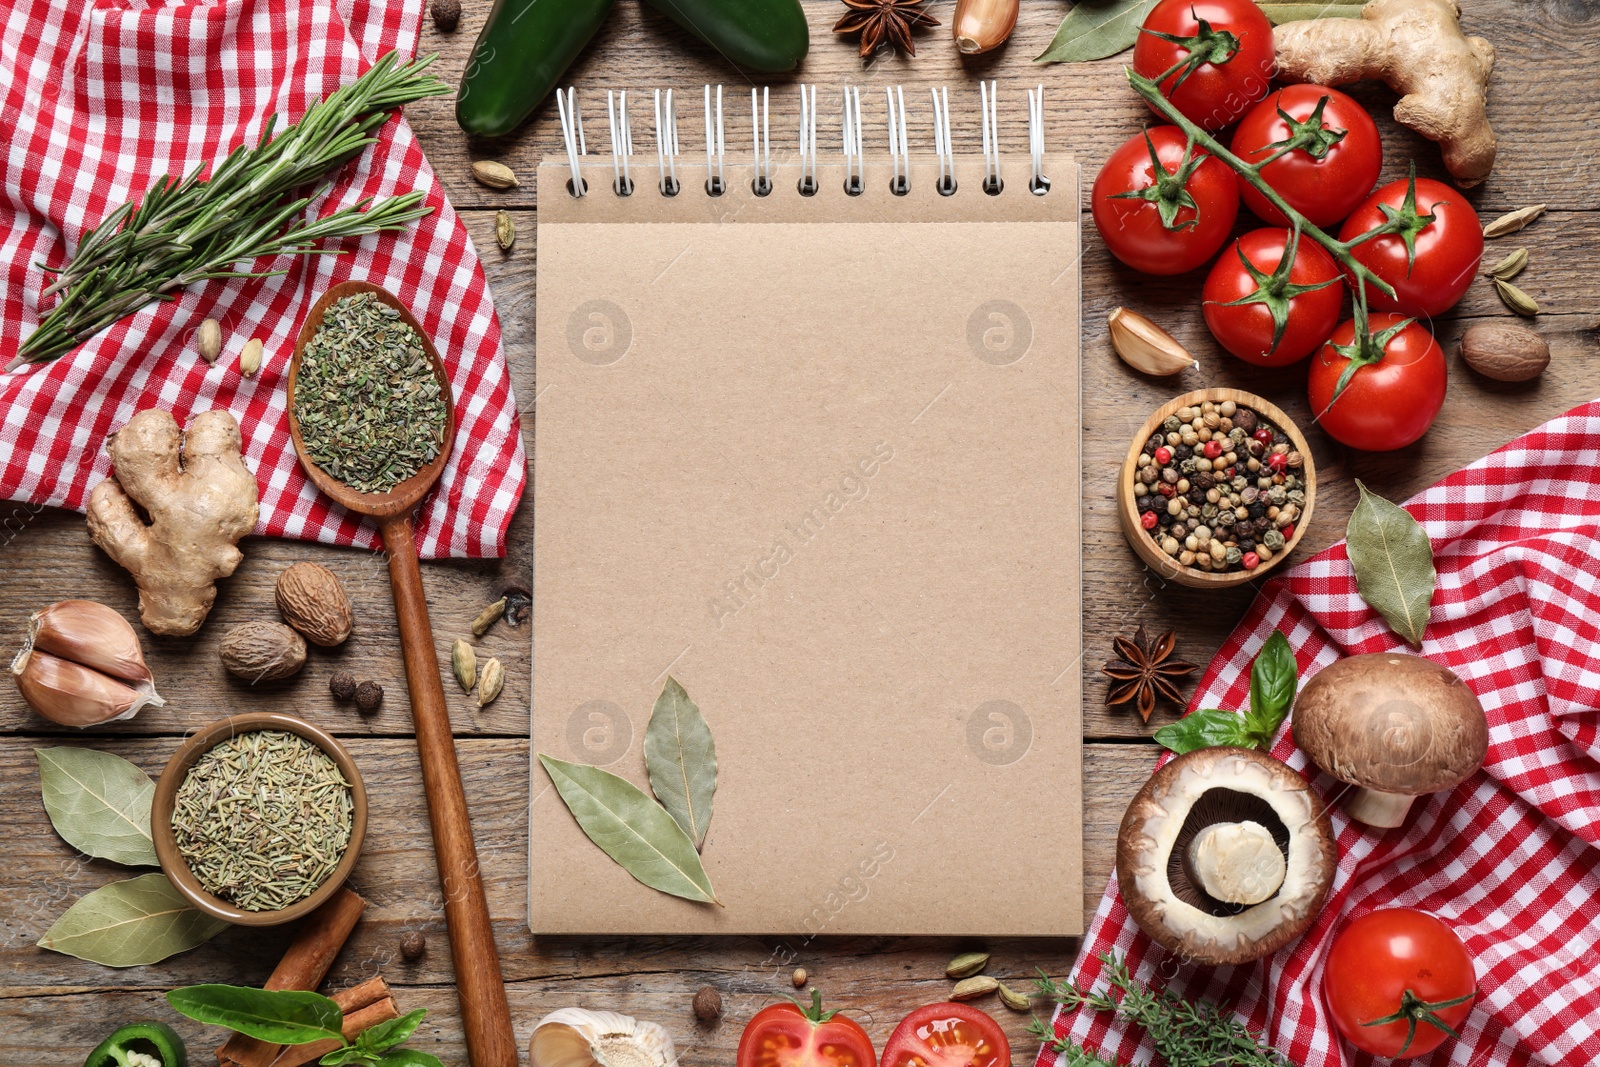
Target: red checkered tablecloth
[[98, 99], [1511, 858]]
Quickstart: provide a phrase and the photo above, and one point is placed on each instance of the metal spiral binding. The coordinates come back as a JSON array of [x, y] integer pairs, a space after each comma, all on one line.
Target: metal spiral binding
[[667, 145], [989, 105], [807, 185], [572, 134], [941, 143], [621, 146], [1038, 184], [855, 178], [899, 154], [715, 185], [761, 132]]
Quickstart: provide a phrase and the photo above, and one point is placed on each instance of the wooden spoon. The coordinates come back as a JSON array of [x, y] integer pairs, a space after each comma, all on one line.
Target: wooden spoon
[[479, 984]]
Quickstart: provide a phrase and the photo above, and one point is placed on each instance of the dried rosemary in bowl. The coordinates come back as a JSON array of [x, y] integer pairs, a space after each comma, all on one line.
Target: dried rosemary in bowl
[[262, 819], [367, 400]]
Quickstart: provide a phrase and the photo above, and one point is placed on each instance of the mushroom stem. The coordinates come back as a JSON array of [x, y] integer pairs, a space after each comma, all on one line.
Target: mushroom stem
[[1237, 862], [1376, 808]]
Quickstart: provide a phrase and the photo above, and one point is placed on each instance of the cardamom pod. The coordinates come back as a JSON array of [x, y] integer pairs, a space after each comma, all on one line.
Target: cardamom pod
[[495, 175], [250, 358], [980, 985], [208, 340], [1014, 1000], [490, 682], [1516, 299], [1509, 267], [1511, 223], [505, 230], [966, 965], [464, 662], [488, 617], [1146, 347]]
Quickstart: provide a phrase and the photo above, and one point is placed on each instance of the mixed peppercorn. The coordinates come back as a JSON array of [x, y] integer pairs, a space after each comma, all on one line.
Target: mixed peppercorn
[[1219, 488]]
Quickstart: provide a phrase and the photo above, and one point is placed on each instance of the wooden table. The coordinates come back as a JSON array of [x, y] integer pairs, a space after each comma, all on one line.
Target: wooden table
[[57, 1007]]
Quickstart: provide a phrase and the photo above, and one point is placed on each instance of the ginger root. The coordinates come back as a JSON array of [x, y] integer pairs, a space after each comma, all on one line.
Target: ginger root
[[200, 499], [1417, 48]]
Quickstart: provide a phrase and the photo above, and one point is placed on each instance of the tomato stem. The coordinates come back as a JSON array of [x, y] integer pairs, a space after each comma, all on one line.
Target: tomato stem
[[1170, 191], [1206, 45], [1413, 1009], [1275, 290], [1313, 137]]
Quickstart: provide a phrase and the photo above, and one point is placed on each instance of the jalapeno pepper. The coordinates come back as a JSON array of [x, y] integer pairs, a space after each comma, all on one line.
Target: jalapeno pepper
[[140, 1045]]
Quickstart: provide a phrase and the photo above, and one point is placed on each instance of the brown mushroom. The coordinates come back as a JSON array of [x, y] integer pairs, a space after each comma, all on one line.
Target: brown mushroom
[[1225, 855], [1396, 725]]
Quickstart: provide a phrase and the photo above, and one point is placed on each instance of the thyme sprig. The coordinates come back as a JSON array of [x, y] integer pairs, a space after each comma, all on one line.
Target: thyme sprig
[[1185, 1034], [190, 229]]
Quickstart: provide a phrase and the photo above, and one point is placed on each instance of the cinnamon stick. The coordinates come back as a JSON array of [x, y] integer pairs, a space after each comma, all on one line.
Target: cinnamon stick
[[379, 1011], [303, 966]]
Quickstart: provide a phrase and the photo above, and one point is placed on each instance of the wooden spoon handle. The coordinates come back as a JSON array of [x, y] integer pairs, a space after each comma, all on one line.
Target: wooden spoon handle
[[479, 984]]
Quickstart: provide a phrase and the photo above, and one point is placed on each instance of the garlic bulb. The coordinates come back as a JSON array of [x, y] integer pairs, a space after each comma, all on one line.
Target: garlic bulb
[[577, 1037], [82, 665]]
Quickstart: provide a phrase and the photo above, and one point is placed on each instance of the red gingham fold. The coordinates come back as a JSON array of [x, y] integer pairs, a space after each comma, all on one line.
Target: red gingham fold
[[97, 101], [1510, 858]]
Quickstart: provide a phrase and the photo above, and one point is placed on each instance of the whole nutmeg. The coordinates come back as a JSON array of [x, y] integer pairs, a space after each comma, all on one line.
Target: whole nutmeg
[[369, 695], [1504, 351], [262, 651], [446, 14], [413, 944], [707, 1004], [312, 601], [343, 686]]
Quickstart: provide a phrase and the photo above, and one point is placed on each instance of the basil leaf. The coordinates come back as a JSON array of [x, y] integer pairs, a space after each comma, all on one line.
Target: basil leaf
[[1281, 11], [349, 1054], [1095, 29], [286, 1016], [1272, 681], [681, 759], [1393, 562], [387, 1035], [408, 1057], [632, 829], [131, 923], [98, 803], [1207, 728]]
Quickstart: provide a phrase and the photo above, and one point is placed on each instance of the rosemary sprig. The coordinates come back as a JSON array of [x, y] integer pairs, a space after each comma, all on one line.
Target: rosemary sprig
[[194, 228], [1184, 1034]]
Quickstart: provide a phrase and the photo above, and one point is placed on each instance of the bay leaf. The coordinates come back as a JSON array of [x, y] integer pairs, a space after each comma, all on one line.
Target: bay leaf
[[1280, 11], [1393, 560], [99, 803], [681, 759], [631, 828], [281, 1016], [131, 923], [1095, 29]]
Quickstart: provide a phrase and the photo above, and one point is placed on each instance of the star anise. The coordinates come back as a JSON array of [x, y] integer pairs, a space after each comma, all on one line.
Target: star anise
[[1145, 671], [880, 21]]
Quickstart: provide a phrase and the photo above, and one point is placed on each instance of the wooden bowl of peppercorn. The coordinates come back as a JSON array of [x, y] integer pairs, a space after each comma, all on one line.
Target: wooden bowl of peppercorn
[[1180, 497]]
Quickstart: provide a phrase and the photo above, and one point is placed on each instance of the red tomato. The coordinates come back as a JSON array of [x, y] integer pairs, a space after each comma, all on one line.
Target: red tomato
[[1448, 248], [1283, 321], [1220, 63], [1404, 963], [947, 1035], [1174, 223], [1333, 171], [1391, 400], [788, 1035]]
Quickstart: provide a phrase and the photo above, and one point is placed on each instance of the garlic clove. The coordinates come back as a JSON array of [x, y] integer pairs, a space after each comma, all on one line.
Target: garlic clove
[[979, 25], [577, 1037], [1146, 347], [74, 695], [91, 634]]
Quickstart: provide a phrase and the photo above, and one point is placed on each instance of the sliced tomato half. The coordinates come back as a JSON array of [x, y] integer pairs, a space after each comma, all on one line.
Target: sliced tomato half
[[947, 1035], [791, 1035]]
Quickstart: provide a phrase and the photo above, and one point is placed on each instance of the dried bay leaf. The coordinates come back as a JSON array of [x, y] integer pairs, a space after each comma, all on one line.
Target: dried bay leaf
[[131, 923], [1281, 11], [681, 759], [1095, 29], [631, 828], [98, 803], [1393, 561]]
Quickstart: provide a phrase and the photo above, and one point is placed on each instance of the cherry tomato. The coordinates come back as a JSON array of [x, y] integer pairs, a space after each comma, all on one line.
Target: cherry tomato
[[1223, 49], [947, 1035], [789, 1035], [1287, 317], [1400, 963], [1334, 169], [1173, 223], [1448, 248], [1393, 397]]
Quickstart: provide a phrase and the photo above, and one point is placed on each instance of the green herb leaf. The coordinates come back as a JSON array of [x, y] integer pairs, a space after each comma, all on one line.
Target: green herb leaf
[[408, 1057], [349, 1054], [1207, 728], [98, 803], [681, 759], [284, 1016], [131, 923], [1272, 682], [1393, 560], [1281, 11], [387, 1035], [632, 829], [1095, 29]]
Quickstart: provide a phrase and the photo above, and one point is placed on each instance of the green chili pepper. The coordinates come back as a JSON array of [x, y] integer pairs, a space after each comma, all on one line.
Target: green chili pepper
[[137, 1044]]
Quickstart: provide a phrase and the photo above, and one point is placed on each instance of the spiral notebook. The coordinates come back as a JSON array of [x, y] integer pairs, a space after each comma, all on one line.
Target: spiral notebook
[[816, 457]]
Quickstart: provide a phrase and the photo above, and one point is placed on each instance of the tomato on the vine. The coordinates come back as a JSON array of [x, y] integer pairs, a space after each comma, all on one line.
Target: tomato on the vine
[[1333, 153], [1427, 244], [789, 1035], [1265, 309], [1211, 58], [1380, 388], [1161, 207], [1398, 982], [947, 1035]]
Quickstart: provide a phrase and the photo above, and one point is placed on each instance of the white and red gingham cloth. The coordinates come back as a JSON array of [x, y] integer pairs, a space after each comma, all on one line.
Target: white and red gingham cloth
[[98, 99], [1511, 858]]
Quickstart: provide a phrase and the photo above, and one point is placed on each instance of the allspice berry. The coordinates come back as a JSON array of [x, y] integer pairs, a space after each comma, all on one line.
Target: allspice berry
[[798, 977], [707, 1004], [343, 686], [413, 944], [446, 14], [369, 695]]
